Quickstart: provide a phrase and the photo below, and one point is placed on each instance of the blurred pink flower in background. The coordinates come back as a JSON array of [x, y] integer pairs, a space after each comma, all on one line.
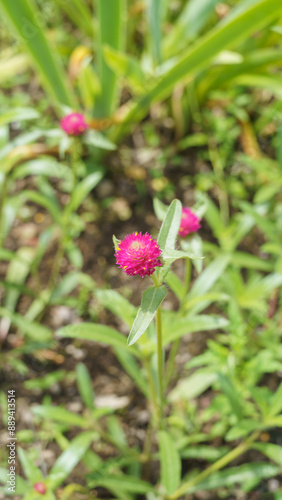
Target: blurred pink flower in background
[[74, 124], [40, 488], [190, 222]]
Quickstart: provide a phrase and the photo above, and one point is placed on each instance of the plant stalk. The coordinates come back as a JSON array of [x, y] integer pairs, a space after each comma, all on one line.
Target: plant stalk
[[160, 363], [175, 345], [152, 388]]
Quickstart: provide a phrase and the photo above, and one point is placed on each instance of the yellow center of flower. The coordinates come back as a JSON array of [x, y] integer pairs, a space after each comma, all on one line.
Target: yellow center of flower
[[136, 245]]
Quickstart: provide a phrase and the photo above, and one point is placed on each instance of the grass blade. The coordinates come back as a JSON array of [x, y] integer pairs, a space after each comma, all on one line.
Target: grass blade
[[154, 11], [111, 14], [196, 58], [79, 14], [22, 15]]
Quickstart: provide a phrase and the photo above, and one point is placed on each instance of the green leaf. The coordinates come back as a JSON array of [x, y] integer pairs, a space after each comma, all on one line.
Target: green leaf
[[170, 462], [47, 381], [198, 56], [84, 384], [191, 20], [98, 140], [175, 285], [194, 245], [117, 304], [249, 261], [272, 451], [263, 223], [126, 66], [233, 475], [80, 15], [243, 428], [116, 432], [276, 402], [74, 254], [93, 332], [59, 414], [18, 114], [21, 485], [45, 201], [24, 17], [154, 14], [123, 483], [32, 473], [70, 458], [170, 226], [83, 189], [160, 208], [133, 369], [193, 386], [17, 273], [7, 254], [266, 193], [203, 452], [33, 330], [209, 276], [43, 166], [111, 19], [170, 256], [231, 393], [175, 328], [151, 300]]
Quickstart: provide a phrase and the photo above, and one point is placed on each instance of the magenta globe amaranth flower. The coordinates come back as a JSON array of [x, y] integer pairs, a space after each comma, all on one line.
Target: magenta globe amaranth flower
[[190, 222], [40, 488], [74, 124], [138, 254]]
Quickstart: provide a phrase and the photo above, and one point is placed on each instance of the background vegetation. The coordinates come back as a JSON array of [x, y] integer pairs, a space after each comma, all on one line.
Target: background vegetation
[[183, 101]]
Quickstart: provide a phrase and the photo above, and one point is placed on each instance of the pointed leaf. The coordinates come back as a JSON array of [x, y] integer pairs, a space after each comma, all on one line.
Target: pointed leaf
[[151, 300], [70, 458], [170, 462], [84, 384], [170, 226], [94, 332]]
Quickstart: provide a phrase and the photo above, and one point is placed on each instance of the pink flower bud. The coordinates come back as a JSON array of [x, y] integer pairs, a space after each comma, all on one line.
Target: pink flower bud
[[40, 488], [74, 124]]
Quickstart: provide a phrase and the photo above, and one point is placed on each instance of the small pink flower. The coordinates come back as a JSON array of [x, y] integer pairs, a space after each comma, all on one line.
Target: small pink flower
[[40, 488], [74, 124], [138, 254], [190, 223]]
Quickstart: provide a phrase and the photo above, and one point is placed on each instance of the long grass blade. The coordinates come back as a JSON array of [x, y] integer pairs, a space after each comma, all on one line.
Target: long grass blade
[[199, 55], [80, 15], [154, 14], [111, 17], [22, 15]]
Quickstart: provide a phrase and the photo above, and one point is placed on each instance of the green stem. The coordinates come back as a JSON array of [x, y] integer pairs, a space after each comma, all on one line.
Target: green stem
[[75, 155], [152, 389], [4, 192], [222, 462], [175, 345], [160, 362]]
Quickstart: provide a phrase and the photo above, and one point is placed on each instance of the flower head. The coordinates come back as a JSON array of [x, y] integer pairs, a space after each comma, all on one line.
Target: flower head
[[74, 124], [190, 223], [40, 488], [138, 254]]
